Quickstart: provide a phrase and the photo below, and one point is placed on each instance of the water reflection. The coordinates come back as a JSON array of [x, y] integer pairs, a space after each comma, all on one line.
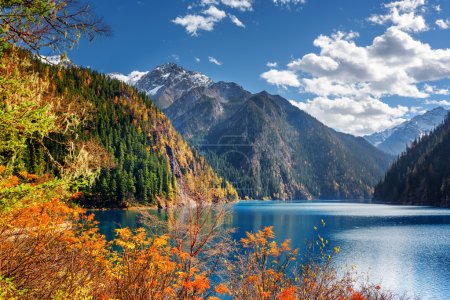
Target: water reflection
[[405, 248]]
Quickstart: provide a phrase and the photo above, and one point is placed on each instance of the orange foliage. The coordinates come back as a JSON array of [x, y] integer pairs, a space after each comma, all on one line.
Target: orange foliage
[[67, 252], [357, 296], [50, 249], [288, 293]]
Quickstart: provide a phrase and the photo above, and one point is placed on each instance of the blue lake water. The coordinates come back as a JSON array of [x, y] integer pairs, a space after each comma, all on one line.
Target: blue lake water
[[405, 248]]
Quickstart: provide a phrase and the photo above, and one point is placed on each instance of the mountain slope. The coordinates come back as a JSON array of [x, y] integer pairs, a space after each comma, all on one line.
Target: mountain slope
[[288, 154], [152, 162], [265, 146], [395, 140], [421, 175], [201, 108]]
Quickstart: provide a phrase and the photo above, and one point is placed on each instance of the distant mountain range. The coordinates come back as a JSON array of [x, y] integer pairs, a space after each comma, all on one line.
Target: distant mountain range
[[396, 139], [421, 176], [263, 145]]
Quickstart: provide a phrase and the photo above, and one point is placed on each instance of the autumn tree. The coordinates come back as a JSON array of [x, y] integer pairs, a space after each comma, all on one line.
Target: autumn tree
[[56, 24]]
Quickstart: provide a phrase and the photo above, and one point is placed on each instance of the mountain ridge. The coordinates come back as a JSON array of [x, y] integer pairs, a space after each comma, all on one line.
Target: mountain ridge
[[395, 140], [262, 144], [151, 162], [421, 175]]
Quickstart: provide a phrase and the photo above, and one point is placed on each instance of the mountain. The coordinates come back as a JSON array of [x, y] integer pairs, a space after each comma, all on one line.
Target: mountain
[[131, 78], [263, 145], [56, 60], [151, 162], [282, 152], [420, 176], [396, 139], [201, 108], [166, 83]]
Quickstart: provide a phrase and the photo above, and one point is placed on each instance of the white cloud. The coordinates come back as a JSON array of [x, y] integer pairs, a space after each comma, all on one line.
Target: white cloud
[[272, 64], [193, 23], [236, 21], [403, 15], [443, 24], [206, 20], [197, 60], [314, 63], [242, 5], [287, 2], [392, 65], [417, 110], [438, 102], [406, 5], [208, 2], [214, 61], [433, 90], [354, 116], [215, 13], [281, 78], [350, 80]]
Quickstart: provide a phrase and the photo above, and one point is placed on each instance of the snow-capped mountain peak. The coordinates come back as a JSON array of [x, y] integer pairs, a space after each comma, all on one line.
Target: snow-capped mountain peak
[[165, 83], [55, 60], [396, 139], [131, 78], [175, 74]]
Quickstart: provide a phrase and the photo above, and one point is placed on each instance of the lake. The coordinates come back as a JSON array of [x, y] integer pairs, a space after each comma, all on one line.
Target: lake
[[404, 248]]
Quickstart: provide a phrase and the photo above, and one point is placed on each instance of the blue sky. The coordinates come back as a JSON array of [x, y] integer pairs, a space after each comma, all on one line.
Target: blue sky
[[324, 50]]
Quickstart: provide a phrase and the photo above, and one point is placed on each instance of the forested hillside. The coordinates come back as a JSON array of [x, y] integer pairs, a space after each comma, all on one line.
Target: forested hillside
[[272, 149], [263, 145], [421, 176], [150, 162]]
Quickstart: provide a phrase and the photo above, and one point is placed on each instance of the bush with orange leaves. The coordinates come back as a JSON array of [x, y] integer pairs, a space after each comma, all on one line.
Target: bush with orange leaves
[[148, 268], [174, 261], [265, 269], [261, 270], [49, 250]]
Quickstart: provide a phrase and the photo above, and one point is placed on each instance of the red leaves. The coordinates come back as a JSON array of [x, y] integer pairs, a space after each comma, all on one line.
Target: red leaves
[[288, 293], [357, 296]]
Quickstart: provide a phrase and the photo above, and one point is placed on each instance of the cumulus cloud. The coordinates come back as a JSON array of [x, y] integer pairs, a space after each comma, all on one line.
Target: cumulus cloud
[[193, 23], [214, 61], [215, 13], [393, 64], [236, 21], [272, 64], [206, 20], [281, 78], [242, 5], [197, 60], [350, 81], [403, 15], [443, 24], [438, 102], [354, 116]]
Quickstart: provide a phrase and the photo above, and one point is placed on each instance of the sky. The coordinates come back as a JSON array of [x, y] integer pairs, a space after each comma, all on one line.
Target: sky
[[359, 66]]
